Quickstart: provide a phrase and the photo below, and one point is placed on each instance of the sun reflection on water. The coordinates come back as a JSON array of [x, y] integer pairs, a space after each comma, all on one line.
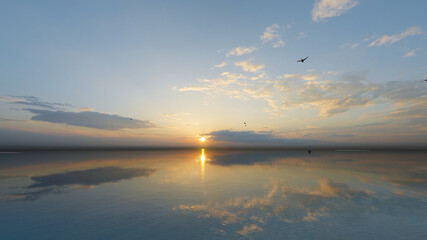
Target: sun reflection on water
[[202, 164]]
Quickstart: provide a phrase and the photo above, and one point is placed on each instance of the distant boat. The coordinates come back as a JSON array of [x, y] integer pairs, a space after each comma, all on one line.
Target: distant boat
[[309, 149]]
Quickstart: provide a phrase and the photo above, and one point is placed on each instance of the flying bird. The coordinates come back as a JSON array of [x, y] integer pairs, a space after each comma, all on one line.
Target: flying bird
[[302, 59], [245, 124]]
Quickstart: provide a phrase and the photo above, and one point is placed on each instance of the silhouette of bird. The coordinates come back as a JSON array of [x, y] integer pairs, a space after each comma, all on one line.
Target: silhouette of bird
[[130, 118], [245, 124], [302, 59], [309, 149]]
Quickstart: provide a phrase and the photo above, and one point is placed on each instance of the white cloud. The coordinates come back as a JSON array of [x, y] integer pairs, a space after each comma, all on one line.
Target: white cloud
[[193, 88], [239, 51], [307, 77], [222, 64], [272, 34], [259, 76], [331, 8], [386, 39], [247, 66], [350, 45], [411, 53]]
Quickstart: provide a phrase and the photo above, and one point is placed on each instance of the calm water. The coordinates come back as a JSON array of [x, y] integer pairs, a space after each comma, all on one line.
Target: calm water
[[203, 194]]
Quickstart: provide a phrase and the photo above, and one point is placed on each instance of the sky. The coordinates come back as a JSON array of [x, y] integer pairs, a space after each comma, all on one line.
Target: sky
[[166, 73]]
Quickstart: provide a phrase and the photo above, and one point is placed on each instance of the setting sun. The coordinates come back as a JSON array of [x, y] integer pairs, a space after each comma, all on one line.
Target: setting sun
[[202, 139]]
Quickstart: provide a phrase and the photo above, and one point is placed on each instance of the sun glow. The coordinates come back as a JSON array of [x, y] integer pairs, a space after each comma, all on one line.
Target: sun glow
[[202, 139]]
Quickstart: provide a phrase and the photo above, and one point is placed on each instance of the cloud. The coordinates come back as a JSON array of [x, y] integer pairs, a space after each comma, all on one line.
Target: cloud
[[239, 51], [346, 91], [227, 83], [249, 229], [222, 64], [35, 102], [84, 109], [341, 135], [247, 66], [386, 39], [252, 138], [332, 97], [331, 8], [272, 34], [307, 77], [89, 119], [411, 53], [193, 88], [350, 45]]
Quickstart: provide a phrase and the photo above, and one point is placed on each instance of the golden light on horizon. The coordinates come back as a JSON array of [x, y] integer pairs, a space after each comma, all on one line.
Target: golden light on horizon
[[202, 139]]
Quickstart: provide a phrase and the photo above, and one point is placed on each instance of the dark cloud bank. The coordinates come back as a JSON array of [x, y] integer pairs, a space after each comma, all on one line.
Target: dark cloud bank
[[89, 119], [256, 138]]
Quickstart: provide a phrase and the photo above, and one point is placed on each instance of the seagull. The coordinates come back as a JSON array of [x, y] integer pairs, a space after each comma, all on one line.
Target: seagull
[[302, 59], [309, 149]]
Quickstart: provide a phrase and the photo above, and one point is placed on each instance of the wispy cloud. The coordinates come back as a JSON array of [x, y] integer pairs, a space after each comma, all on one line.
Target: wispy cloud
[[239, 51], [193, 88], [307, 77], [312, 91], [411, 53], [247, 66], [84, 109], [272, 34], [386, 39], [35, 102], [249, 229], [331, 8], [222, 64], [350, 45], [89, 119]]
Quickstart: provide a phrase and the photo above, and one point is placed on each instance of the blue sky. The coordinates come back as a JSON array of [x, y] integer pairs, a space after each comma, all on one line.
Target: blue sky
[[182, 70]]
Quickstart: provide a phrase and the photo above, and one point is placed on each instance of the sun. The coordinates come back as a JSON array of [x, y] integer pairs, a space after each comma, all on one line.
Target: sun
[[202, 139]]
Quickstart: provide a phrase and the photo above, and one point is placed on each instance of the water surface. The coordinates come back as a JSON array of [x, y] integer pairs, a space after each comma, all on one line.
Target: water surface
[[206, 194]]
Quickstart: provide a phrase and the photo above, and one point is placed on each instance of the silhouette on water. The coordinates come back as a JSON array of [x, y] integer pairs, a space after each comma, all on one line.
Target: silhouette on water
[[309, 149], [302, 59]]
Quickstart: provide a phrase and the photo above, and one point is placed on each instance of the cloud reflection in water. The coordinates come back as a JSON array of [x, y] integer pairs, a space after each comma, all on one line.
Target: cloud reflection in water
[[86, 179]]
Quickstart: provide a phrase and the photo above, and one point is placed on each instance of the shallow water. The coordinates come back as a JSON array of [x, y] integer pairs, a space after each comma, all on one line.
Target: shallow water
[[205, 194]]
